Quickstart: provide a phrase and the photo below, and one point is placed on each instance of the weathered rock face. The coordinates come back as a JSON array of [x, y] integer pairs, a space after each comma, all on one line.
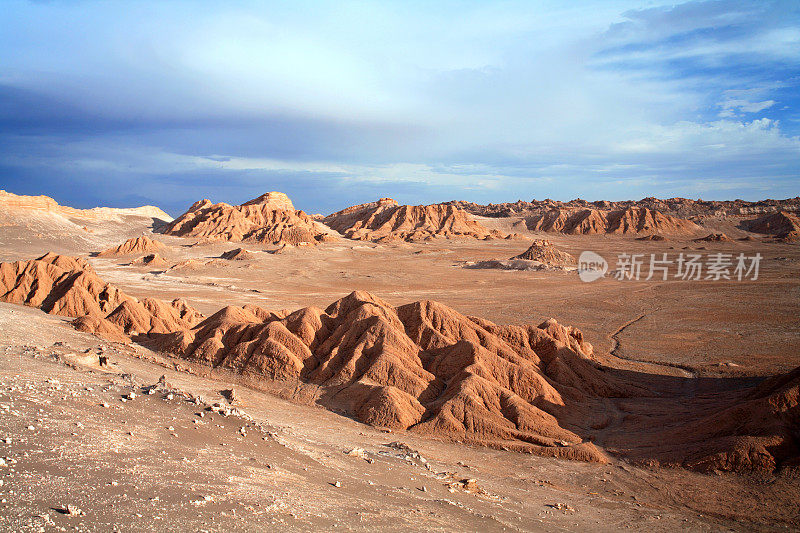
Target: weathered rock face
[[677, 207], [422, 366], [136, 245], [269, 219], [68, 286], [238, 254], [781, 224], [714, 237], [385, 220], [546, 252], [757, 432], [427, 368], [625, 221], [151, 260]]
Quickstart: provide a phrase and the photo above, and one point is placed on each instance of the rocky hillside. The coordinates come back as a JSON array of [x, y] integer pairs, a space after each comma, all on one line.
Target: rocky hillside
[[386, 220], [425, 367], [678, 207], [595, 221], [269, 219]]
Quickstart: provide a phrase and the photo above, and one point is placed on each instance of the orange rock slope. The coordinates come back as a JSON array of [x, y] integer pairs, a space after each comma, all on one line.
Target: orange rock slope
[[544, 251], [270, 219], [68, 286], [136, 245], [421, 366], [425, 367], [781, 224], [386, 220], [624, 221]]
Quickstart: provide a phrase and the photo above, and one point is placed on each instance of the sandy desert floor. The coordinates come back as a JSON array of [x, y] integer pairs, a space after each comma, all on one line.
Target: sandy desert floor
[[123, 467]]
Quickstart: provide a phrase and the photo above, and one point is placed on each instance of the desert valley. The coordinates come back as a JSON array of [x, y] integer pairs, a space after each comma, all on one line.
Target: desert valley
[[414, 367]]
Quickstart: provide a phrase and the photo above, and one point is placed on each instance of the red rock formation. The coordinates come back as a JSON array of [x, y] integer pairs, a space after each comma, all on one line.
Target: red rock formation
[[385, 220], [421, 366], [545, 252], [781, 224], [677, 207], [594, 221], [136, 245], [151, 260], [270, 218], [714, 237], [68, 286], [238, 254], [426, 368]]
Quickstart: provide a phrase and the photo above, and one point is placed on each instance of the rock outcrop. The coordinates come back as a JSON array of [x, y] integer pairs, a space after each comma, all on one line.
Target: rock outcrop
[[427, 368], [756, 432], [386, 220], [623, 222], [547, 253], [269, 219], [782, 224], [136, 245], [421, 366], [714, 237], [69, 287], [677, 207], [238, 254], [150, 260]]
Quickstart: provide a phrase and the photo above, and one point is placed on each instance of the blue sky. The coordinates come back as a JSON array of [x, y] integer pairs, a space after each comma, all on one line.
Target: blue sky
[[122, 103]]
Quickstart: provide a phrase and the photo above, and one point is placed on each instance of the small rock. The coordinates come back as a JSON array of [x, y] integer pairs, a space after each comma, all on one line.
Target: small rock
[[73, 510], [357, 452], [230, 395], [337, 484]]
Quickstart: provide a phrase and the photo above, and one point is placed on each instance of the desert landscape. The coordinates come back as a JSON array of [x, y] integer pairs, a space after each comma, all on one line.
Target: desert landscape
[[315, 266], [392, 366]]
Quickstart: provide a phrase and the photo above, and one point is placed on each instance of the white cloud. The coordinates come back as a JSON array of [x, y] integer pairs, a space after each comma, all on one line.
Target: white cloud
[[731, 106]]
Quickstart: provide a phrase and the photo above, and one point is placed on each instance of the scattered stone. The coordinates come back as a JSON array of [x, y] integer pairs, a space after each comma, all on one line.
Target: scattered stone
[[561, 507], [73, 510], [358, 452], [230, 395]]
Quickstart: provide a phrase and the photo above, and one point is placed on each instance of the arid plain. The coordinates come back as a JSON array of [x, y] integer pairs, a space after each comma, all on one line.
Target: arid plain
[[642, 406]]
